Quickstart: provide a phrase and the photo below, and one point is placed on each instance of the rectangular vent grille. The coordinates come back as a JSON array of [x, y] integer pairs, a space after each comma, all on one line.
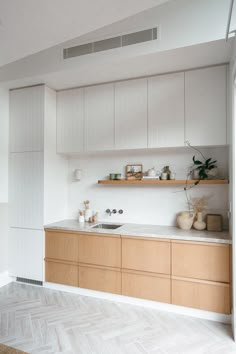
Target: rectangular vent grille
[[29, 281], [111, 43]]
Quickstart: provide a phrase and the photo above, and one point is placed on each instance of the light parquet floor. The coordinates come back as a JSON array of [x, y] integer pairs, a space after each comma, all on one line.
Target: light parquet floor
[[43, 321]]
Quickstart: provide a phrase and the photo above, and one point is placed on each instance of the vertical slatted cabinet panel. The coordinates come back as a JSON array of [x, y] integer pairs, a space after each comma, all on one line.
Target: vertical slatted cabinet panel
[[26, 190], [131, 114], [26, 253], [27, 119], [70, 121], [205, 106], [99, 117], [166, 110]]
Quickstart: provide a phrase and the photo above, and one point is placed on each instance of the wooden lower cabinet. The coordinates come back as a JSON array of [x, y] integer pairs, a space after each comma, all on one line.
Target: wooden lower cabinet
[[198, 260], [100, 250], [62, 273], [191, 274], [100, 279], [208, 296], [146, 255], [145, 285], [62, 245]]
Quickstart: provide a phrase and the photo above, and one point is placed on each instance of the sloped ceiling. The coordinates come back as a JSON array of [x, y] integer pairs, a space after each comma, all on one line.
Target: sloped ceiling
[[29, 26]]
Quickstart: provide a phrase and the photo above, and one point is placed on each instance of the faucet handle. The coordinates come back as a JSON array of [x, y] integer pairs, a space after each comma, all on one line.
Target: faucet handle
[[108, 211], [114, 211], [120, 211]]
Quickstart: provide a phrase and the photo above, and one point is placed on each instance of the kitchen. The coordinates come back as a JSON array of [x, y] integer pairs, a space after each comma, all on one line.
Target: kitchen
[[71, 129]]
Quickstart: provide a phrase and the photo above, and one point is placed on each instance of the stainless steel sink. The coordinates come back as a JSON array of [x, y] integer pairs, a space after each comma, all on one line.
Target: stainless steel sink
[[106, 226]]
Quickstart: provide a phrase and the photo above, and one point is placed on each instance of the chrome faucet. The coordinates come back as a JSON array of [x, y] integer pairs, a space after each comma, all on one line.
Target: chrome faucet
[[113, 211]]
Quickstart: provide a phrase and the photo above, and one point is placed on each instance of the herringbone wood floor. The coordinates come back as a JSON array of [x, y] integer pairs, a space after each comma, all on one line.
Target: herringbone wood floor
[[43, 321]]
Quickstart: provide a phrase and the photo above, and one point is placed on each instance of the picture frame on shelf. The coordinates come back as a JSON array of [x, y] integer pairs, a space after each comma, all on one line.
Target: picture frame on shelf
[[134, 172]]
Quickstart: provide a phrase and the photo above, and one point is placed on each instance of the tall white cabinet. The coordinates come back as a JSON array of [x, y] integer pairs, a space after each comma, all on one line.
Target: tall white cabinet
[[131, 114], [99, 117], [70, 121], [166, 110], [205, 106], [32, 187]]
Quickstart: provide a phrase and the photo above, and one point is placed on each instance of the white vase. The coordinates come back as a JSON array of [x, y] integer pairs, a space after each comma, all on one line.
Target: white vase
[[185, 220], [195, 174], [199, 224], [88, 214], [212, 173]]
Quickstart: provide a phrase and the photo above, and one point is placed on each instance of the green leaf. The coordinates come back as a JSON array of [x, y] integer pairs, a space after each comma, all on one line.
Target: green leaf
[[197, 162], [208, 160]]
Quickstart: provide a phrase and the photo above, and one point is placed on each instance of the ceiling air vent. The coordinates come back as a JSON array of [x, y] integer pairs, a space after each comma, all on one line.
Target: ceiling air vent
[[111, 43]]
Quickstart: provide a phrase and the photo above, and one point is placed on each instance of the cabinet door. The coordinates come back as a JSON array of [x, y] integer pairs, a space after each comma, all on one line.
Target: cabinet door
[[99, 117], [146, 255], [26, 190], [205, 106], [206, 296], [146, 286], [131, 114], [166, 110], [26, 253], [201, 261], [100, 279], [70, 121], [100, 250], [26, 119], [62, 273], [62, 246]]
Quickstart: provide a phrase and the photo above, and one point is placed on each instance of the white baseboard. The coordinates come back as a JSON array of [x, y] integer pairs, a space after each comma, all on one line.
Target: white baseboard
[[186, 311], [5, 278]]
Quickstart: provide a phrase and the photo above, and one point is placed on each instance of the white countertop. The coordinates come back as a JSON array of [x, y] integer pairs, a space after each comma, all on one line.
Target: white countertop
[[155, 231]]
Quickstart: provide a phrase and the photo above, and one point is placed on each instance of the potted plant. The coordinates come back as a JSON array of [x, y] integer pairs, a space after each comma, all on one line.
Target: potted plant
[[201, 170]]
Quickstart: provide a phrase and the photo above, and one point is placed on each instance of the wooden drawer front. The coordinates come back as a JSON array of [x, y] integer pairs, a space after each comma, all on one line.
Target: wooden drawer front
[[100, 250], [146, 255], [62, 273], [213, 297], [62, 246], [201, 261], [100, 279], [146, 286]]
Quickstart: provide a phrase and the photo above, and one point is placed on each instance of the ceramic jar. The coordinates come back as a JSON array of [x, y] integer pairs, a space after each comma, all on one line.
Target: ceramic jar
[[88, 213], [212, 173], [199, 224], [195, 174], [152, 172], [185, 220]]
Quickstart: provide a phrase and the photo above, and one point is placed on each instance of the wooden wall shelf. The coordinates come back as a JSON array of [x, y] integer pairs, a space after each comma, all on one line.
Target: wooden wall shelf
[[160, 182]]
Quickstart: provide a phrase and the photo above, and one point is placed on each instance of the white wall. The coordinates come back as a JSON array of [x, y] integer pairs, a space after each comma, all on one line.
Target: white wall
[[142, 204], [182, 23], [232, 200], [4, 119]]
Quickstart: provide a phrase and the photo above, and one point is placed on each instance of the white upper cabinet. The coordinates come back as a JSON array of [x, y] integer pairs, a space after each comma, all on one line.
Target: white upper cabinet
[[99, 117], [26, 190], [205, 106], [70, 121], [131, 114], [166, 110], [26, 119]]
